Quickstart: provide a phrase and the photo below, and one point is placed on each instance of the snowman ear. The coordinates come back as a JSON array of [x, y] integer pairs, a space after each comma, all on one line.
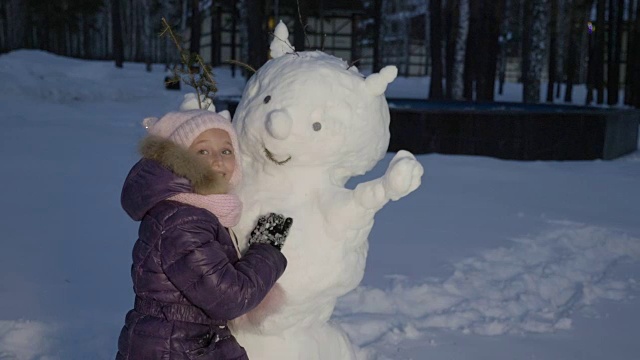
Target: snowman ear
[[377, 83], [190, 102], [225, 114], [148, 123], [207, 104], [280, 44]]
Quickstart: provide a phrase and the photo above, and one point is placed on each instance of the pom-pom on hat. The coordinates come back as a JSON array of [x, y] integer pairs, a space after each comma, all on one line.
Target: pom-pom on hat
[[182, 127]]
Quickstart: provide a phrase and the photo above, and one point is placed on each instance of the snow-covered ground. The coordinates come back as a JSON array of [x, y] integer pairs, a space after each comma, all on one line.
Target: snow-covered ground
[[489, 259]]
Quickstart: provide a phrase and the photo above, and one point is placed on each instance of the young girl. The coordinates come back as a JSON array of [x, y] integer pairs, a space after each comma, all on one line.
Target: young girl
[[187, 275]]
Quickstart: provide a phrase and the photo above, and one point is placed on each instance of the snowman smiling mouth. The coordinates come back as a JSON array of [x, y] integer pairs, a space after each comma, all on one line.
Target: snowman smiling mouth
[[270, 157]]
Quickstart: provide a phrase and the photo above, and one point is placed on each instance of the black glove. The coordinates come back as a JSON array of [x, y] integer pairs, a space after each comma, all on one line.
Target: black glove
[[271, 229]]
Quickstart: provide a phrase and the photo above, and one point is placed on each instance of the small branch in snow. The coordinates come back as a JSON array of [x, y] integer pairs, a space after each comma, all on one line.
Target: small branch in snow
[[240, 63]]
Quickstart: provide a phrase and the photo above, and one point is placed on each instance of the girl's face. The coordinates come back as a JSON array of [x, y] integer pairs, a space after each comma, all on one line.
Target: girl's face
[[214, 146]]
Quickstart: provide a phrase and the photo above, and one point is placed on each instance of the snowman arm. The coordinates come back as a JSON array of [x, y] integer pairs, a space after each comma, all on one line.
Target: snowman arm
[[370, 195], [403, 176]]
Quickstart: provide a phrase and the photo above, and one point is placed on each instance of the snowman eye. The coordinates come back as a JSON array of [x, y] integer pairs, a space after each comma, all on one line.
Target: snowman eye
[[267, 99], [317, 126]]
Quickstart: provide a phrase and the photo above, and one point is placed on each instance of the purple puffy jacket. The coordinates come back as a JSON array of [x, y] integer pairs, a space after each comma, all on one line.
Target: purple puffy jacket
[[186, 274]]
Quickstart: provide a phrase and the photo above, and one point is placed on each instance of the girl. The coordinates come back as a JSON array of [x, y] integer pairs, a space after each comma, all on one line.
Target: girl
[[187, 275]]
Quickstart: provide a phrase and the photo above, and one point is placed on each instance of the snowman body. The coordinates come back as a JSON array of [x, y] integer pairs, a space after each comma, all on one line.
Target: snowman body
[[308, 122]]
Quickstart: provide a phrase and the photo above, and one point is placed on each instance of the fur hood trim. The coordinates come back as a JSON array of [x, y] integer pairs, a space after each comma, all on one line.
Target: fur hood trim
[[184, 164]]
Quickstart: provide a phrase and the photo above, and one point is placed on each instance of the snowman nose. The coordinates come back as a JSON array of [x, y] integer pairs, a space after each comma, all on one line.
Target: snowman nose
[[279, 124]]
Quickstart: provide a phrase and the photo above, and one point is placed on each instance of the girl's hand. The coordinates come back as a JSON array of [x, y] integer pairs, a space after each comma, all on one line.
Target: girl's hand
[[271, 229]]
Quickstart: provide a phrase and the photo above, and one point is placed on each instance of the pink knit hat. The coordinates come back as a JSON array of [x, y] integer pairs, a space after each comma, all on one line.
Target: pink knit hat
[[182, 127]]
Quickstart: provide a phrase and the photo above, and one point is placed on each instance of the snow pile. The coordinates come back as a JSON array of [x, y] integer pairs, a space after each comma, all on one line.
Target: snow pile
[[533, 286], [52, 78], [26, 340], [47, 77]]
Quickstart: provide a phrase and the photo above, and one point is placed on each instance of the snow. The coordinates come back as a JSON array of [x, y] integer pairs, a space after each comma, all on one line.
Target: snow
[[488, 259]]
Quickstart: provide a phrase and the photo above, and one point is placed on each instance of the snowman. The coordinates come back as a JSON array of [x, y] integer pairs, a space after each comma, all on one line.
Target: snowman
[[306, 123]]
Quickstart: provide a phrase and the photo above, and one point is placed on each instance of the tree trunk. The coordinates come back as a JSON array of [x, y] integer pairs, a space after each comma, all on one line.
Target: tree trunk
[[564, 30], [146, 33], [234, 28], [3, 27], [406, 47], [536, 53], [553, 30], [355, 38], [257, 43], [450, 21], [598, 51], [196, 27], [108, 34], [183, 15], [473, 38], [86, 37], [435, 88], [116, 26], [16, 23], [578, 15], [377, 23], [635, 101], [300, 20], [216, 34], [457, 80], [486, 79], [135, 31], [591, 70], [628, 84], [615, 49]]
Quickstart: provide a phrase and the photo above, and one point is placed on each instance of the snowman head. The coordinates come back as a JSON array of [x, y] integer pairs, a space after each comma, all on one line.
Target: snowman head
[[311, 109]]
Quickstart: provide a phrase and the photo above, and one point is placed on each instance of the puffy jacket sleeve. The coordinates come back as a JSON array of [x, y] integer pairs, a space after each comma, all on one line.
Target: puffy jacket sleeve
[[194, 261]]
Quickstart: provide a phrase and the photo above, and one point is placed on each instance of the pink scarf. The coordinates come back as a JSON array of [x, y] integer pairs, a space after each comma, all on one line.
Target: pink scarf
[[226, 207]]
